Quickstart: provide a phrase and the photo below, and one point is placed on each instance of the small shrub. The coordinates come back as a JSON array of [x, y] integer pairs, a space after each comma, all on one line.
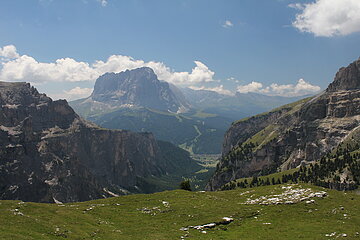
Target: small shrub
[[185, 185]]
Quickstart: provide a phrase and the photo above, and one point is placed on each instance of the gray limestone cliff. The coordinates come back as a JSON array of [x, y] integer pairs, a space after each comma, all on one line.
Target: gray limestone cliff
[[132, 88], [48, 153], [293, 135]]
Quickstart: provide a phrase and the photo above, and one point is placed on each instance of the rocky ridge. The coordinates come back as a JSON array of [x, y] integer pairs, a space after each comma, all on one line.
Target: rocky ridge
[[49, 154], [293, 135]]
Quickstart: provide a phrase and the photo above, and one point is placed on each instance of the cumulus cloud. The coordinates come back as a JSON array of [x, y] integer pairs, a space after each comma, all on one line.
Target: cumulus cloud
[[72, 94], [288, 90], [26, 68], [8, 52], [219, 89], [251, 87], [117, 63], [328, 18], [78, 92], [17, 67], [228, 24]]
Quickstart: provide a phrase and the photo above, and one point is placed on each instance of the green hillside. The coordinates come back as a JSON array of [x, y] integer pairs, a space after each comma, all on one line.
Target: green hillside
[[197, 132], [164, 215]]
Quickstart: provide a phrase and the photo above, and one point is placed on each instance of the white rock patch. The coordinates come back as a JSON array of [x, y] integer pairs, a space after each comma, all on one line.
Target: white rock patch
[[290, 195]]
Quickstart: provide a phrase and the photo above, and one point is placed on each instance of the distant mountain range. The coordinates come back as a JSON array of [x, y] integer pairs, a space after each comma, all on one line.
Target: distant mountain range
[[193, 119]]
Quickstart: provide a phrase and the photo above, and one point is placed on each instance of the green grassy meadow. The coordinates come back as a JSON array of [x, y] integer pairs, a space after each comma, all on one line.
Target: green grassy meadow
[[162, 215]]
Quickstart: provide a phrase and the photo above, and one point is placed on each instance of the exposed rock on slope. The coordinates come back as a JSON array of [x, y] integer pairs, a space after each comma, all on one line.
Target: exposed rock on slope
[[132, 88], [294, 134], [48, 152]]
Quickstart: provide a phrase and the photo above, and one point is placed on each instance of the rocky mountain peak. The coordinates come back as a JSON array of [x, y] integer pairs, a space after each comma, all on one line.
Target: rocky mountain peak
[[20, 93], [19, 101], [138, 87], [347, 78]]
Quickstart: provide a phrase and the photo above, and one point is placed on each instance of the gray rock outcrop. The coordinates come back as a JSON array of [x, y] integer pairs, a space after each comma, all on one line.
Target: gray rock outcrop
[[48, 153], [294, 134]]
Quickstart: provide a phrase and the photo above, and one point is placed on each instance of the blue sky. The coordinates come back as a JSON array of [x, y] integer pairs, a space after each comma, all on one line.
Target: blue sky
[[260, 44]]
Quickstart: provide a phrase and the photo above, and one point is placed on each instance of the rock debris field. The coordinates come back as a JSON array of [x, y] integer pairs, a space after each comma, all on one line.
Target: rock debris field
[[290, 195]]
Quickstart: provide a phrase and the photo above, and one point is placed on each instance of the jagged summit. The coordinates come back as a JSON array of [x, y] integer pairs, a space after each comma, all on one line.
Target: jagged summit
[[139, 87], [20, 100], [347, 78], [20, 93]]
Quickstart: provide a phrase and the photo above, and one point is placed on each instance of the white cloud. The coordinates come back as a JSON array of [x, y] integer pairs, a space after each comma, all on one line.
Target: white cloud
[[8, 52], [219, 89], [228, 24], [251, 87], [301, 88], [328, 18], [25, 68], [77, 93], [72, 94], [17, 67], [103, 2], [288, 90], [117, 63]]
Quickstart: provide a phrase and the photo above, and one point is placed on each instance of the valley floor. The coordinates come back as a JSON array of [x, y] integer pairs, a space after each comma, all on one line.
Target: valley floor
[[297, 211]]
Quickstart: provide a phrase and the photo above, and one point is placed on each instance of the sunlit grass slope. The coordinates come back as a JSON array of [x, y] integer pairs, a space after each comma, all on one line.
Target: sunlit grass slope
[[162, 215]]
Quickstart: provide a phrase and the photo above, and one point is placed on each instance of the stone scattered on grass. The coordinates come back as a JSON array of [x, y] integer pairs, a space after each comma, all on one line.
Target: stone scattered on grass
[[330, 234], [224, 221], [17, 212], [289, 196], [333, 234], [166, 204]]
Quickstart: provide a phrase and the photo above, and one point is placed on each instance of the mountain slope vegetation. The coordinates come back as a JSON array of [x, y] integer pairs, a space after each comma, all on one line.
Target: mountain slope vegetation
[[169, 215]]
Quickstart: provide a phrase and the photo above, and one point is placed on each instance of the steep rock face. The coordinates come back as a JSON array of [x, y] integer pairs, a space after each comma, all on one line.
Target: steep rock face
[[138, 87], [48, 153], [292, 135], [346, 78]]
